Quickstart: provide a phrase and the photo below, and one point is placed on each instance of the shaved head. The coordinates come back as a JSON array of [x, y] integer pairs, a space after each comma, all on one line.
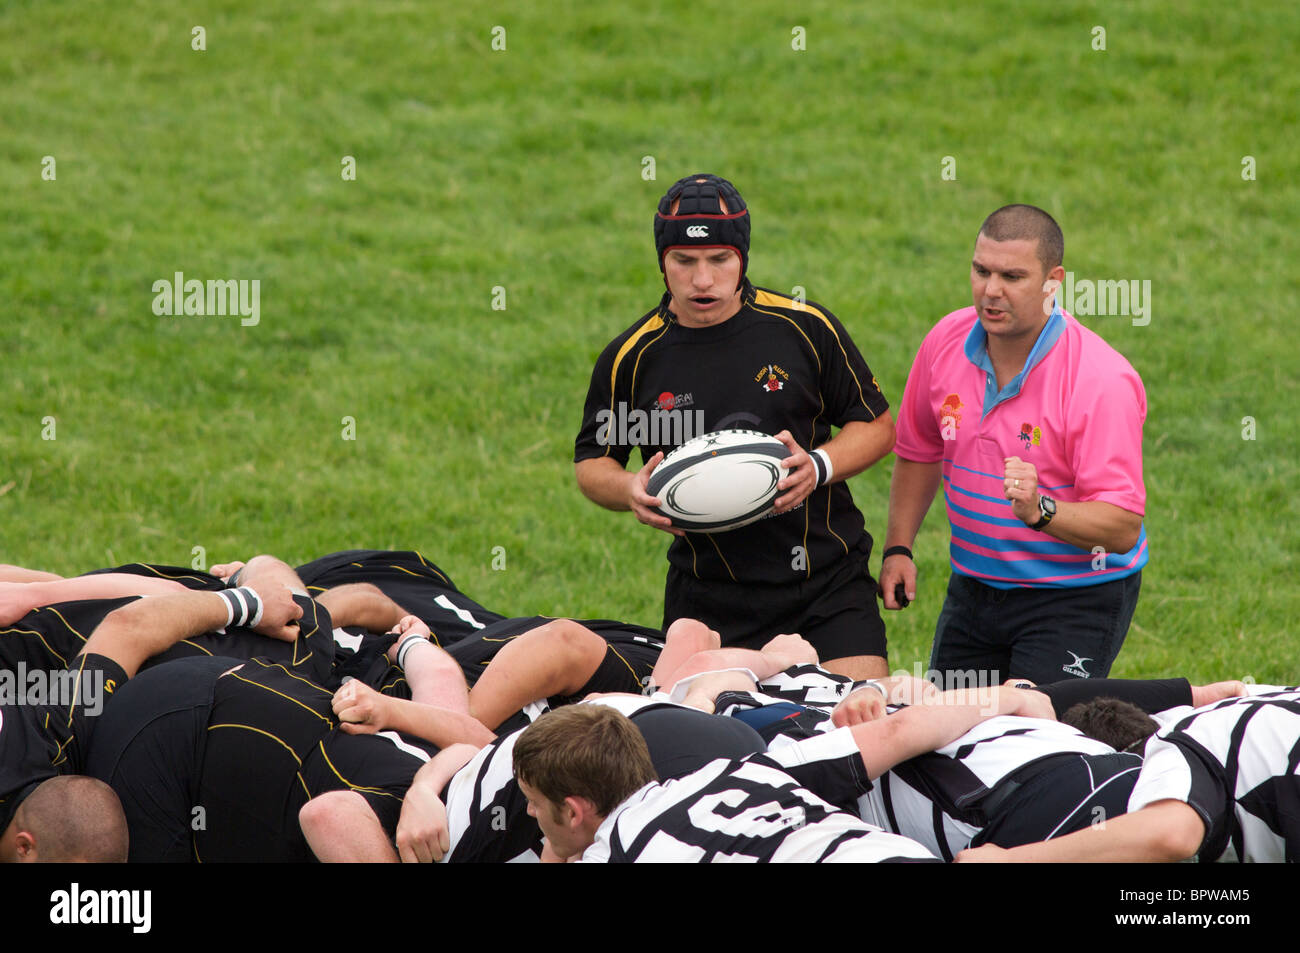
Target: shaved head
[[74, 818], [1028, 223]]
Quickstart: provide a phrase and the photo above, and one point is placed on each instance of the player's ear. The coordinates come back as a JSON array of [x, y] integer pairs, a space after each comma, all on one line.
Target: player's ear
[[577, 811], [24, 848]]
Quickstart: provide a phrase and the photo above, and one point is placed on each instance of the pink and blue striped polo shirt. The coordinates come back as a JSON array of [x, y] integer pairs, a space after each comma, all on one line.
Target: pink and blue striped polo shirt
[[1075, 411]]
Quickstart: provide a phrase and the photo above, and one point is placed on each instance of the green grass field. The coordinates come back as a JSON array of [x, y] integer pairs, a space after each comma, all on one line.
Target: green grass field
[[522, 168]]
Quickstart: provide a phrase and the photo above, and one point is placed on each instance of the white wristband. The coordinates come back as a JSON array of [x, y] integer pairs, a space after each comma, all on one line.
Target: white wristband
[[826, 459]]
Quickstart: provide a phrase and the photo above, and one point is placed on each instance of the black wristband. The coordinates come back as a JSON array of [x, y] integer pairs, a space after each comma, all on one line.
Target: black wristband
[[897, 551]]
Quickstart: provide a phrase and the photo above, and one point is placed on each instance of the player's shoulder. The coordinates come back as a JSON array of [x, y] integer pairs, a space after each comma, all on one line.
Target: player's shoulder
[[1093, 350], [806, 313], [639, 331]]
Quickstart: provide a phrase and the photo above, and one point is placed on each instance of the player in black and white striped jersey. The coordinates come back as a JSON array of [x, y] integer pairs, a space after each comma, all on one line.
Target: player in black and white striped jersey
[[467, 804], [759, 810], [1220, 783]]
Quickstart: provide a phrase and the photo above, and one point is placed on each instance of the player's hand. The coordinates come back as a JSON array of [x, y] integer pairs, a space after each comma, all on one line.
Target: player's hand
[[897, 570], [411, 623], [800, 478], [1020, 486], [791, 650], [640, 502], [549, 856], [360, 709], [864, 705], [1025, 702], [422, 834], [224, 571], [279, 612], [988, 854]]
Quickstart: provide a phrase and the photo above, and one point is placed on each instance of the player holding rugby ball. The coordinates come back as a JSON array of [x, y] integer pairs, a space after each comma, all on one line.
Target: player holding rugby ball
[[718, 350]]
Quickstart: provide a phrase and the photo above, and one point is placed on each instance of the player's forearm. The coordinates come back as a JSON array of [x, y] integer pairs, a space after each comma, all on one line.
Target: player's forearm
[[439, 726], [1092, 524], [442, 767], [605, 481], [146, 627], [859, 445], [911, 491], [918, 729], [109, 585], [361, 604], [1165, 832]]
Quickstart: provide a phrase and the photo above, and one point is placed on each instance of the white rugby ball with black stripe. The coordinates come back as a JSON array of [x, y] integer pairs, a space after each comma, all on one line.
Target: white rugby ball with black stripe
[[719, 481]]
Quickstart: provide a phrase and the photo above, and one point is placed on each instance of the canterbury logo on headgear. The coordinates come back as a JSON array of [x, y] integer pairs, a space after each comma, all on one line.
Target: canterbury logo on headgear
[[702, 209]]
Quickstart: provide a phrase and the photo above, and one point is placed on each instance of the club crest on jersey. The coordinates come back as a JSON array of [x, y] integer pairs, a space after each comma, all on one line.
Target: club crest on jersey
[[1031, 436], [950, 416], [771, 378], [1076, 667]]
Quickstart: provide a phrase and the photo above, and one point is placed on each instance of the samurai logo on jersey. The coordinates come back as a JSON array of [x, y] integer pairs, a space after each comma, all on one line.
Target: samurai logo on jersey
[[669, 401], [771, 378]]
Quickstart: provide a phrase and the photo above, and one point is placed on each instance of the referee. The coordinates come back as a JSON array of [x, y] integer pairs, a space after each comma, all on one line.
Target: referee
[[718, 349]]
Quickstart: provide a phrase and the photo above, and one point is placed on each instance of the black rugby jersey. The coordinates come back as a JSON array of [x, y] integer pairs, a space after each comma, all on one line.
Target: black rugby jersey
[[778, 364]]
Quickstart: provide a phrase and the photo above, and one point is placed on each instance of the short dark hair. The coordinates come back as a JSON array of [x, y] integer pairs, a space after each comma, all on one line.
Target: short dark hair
[[587, 751], [1028, 223], [1117, 723], [75, 818]]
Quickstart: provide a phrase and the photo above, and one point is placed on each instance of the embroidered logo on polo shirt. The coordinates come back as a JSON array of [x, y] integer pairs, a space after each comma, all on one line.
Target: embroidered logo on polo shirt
[[1030, 435], [771, 378], [950, 416]]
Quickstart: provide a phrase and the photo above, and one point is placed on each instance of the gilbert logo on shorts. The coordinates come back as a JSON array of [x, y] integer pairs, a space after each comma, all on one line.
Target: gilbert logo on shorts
[[771, 378], [697, 231], [1076, 667]]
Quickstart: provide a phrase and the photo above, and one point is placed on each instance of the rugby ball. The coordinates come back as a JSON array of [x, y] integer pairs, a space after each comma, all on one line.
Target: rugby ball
[[719, 481]]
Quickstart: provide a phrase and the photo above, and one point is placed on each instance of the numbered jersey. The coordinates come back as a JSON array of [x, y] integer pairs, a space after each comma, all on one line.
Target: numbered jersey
[[741, 811]]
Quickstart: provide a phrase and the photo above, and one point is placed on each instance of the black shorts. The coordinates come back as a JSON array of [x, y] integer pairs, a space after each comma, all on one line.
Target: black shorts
[[629, 659], [148, 747], [836, 610]]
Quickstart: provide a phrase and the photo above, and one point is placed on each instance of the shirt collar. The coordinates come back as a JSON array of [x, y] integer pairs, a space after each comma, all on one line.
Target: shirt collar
[[976, 348]]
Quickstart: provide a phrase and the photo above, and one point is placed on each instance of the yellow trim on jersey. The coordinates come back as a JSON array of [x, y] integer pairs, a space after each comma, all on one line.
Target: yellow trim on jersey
[[163, 575], [194, 645], [354, 787], [281, 694], [775, 301], [259, 731], [695, 557], [722, 557], [420, 556], [654, 323], [66, 623], [62, 660], [623, 660], [306, 681]]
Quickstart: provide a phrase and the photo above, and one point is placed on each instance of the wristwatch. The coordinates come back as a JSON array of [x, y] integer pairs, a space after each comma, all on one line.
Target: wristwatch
[[1046, 510]]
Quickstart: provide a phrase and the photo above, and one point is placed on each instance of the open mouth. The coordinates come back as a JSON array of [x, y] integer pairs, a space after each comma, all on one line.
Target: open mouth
[[703, 301]]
